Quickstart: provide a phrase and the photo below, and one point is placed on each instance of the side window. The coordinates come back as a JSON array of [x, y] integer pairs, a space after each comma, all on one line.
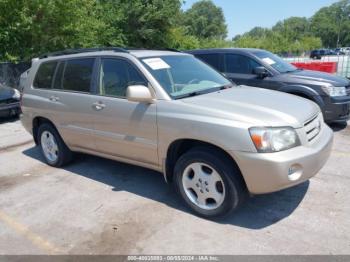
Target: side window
[[239, 64], [212, 59], [116, 75], [58, 77], [44, 75], [78, 74]]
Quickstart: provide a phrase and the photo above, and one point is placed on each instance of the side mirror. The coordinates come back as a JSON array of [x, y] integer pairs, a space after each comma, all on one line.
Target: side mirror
[[261, 72], [139, 93]]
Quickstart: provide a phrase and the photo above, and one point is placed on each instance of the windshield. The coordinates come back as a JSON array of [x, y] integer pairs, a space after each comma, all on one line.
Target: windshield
[[276, 62], [183, 76]]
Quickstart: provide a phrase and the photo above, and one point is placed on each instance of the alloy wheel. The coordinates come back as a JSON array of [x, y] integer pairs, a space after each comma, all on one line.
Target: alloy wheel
[[203, 186], [49, 146]]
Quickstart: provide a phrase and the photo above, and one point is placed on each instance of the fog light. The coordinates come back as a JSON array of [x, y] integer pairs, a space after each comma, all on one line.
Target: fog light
[[294, 172]]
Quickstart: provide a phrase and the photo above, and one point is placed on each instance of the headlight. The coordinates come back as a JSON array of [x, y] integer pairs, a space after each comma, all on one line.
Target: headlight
[[17, 94], [273, 139], [335, 90]]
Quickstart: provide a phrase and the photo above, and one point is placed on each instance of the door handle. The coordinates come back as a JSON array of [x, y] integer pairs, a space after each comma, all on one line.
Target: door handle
[[54, 98], [98, 106]]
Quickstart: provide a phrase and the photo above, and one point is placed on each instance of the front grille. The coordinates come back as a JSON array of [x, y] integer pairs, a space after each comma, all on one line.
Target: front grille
[[348, 90], [313, 127]]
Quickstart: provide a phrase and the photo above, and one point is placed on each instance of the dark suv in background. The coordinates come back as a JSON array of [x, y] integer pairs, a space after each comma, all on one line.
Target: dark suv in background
[[319, 53], [260, 68]]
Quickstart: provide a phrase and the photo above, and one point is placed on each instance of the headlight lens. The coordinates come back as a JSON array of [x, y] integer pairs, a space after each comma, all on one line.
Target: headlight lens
[[335, 90], [17, 94], [271, 139]]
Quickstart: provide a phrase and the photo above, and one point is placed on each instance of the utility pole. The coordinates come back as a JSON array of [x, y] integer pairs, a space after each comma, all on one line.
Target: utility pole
[[339, 30]]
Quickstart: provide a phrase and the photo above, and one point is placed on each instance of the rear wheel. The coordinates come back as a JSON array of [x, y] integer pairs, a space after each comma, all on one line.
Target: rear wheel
[[209, 182], [53, 148]]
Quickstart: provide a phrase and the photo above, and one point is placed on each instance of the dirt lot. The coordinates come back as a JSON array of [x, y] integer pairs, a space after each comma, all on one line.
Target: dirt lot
[[98, 206]]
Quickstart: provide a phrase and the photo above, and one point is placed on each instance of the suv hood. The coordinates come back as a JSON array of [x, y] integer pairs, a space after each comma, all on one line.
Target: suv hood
[[255, 106], [314, 77]]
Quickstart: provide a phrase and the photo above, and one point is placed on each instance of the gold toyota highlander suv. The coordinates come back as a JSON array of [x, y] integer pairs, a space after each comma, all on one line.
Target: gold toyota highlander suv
[[170, 112]]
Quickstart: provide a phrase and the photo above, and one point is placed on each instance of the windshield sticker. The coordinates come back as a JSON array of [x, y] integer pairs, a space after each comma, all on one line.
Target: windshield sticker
[[269, 61], [156, 63]]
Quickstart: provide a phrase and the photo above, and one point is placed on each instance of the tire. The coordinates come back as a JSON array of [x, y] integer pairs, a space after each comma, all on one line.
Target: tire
[[62, 155], [231, 188]]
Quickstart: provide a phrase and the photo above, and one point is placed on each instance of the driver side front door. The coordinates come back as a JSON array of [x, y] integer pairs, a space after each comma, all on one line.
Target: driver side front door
[[240, 69], [123, 128]]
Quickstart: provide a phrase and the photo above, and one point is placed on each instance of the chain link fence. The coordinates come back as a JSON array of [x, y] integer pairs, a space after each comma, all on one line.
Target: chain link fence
[[10, 73], [342, 62]]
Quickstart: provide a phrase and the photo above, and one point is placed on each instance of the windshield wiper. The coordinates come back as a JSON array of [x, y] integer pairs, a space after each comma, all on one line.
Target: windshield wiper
[[205, 91], [195, 93], [200, 92], [226, 86]]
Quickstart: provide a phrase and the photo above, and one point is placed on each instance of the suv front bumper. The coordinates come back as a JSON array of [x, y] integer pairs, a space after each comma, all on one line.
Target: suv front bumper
[[9, 109], [270, 172], [336, 109]]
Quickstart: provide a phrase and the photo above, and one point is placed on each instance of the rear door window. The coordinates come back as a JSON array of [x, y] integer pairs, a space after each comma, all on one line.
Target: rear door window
[[44, 76], [78, 75], [212, 59]]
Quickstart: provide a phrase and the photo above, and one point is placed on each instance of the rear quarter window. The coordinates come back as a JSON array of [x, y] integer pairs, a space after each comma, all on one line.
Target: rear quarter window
[[44, 75]]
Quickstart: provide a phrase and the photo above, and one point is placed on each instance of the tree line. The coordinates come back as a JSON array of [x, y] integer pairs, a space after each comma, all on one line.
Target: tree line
[[328, 27], [29, 28]]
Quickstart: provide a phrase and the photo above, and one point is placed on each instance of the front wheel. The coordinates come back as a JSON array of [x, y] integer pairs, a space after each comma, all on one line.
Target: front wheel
[[209, 182]]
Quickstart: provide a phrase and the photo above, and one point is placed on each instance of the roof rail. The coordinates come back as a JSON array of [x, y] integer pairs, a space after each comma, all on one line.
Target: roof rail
[[83, 50], [173, 49], [158, 49]]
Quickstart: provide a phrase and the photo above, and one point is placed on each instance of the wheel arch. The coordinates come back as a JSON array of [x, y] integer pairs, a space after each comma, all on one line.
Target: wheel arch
[[37, 121], [181, 146], [305, 92]]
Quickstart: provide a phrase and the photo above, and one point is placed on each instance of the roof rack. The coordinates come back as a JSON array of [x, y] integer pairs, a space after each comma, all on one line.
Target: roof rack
[[158, 49], [83, 50], [173, 49]]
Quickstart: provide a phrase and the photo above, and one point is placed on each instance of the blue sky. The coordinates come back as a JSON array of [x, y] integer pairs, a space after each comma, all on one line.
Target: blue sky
[[243, 15]]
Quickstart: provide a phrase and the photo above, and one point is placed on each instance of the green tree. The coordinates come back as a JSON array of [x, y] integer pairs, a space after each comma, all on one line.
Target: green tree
[[179, 39], [332, 24], [32, 27], [258, 32], [205, 20], [290, 35], [112, 17], [310, 43], [147, 23], [278, 43], [293, 28]]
